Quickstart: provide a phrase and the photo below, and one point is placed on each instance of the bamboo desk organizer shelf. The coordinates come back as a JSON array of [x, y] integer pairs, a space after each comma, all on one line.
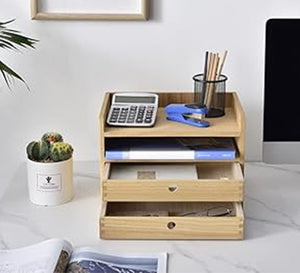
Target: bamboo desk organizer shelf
[[219, 183]]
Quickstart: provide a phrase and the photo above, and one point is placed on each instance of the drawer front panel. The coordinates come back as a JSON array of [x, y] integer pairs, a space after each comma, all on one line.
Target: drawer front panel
[[173, 191], [216, 182], [171, 228]]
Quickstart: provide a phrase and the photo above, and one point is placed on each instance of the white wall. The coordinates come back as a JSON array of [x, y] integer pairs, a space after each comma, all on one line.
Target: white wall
[[75, 62]]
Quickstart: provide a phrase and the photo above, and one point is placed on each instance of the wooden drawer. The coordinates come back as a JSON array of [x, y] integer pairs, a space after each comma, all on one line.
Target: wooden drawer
[[130, 220], [216, 182]]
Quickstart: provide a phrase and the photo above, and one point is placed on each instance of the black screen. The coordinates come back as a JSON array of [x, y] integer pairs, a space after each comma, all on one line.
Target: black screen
[[282, 80]]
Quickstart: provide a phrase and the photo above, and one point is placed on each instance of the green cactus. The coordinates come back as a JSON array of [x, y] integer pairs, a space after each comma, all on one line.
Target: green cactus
[[50, 149], [60, 151], [38, 150], [52, 137]]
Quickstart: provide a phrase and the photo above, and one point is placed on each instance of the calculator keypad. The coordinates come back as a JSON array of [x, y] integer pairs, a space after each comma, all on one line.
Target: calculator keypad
[[131, 115]]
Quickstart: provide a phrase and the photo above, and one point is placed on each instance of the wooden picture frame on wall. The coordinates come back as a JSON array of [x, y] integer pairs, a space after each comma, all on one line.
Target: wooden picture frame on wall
[[140, 14]]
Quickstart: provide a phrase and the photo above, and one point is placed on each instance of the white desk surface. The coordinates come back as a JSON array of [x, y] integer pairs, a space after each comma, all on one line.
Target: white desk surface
[[272, 208]]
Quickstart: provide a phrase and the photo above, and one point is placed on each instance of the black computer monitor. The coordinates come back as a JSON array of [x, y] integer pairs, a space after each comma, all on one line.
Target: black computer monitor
[[282, 91]]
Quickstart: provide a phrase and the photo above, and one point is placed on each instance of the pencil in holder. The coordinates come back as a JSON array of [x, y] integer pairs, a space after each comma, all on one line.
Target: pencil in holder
[[211, 94]]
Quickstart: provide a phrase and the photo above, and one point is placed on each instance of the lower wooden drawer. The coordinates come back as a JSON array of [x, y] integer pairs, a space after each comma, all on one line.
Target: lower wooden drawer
[[171, 220]]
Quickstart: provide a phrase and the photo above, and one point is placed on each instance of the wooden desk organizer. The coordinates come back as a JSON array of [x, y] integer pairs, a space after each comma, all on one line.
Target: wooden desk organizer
[[129, 206]]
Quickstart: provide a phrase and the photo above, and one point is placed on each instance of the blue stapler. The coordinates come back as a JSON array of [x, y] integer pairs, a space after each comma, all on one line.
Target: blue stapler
[[179, 113]]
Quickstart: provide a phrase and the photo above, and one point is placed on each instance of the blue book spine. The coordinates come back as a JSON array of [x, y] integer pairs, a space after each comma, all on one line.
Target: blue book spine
[[116, 155], [215, 155], [198, 155]]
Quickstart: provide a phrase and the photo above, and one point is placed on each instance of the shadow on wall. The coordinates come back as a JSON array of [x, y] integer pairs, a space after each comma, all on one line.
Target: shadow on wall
[[155, 10]]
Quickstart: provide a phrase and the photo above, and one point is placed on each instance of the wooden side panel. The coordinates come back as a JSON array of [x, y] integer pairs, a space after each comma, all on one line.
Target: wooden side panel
[[240, 140], [101, 140]]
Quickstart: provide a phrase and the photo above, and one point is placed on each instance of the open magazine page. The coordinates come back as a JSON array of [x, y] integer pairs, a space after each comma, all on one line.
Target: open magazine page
[[45, 257], [87, 260]]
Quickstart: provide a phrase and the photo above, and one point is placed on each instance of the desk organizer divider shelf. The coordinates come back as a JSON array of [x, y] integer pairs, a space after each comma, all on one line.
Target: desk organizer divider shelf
[[219, 183]]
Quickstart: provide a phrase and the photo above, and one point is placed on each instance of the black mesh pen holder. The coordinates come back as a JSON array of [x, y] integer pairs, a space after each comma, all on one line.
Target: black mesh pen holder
[[211, 94]]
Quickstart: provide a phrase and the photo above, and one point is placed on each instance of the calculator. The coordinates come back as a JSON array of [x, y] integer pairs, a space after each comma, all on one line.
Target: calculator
[[133, 109]]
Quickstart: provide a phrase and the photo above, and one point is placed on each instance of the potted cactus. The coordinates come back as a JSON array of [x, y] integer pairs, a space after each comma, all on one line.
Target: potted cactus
[[50, 170]]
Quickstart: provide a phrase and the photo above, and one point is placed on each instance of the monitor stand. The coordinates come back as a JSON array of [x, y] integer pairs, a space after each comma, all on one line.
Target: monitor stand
[[281, 152]]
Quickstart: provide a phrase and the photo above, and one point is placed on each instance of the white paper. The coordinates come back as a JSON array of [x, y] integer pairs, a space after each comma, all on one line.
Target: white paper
[[162, 171], [160, 154]]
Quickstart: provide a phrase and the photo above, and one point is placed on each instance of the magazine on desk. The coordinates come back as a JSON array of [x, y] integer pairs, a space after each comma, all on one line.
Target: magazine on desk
[[58, 256]]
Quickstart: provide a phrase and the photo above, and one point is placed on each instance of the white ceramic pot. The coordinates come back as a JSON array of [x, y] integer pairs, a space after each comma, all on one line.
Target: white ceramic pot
[[50, 184]]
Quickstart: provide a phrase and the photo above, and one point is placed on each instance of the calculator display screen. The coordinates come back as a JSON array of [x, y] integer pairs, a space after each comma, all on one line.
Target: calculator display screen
[[129, 99]]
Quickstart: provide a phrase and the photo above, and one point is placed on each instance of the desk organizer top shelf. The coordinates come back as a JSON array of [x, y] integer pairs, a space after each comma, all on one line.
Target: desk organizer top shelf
[[229, 125]]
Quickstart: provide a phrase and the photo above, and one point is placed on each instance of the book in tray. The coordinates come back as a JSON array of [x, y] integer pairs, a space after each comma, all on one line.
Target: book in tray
[[170, 148]]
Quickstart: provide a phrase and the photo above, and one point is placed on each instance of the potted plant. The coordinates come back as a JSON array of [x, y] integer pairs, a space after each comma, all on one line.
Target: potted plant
[[50, 170]]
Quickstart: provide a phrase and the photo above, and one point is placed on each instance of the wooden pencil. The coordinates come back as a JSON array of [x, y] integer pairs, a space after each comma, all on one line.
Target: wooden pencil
[[222, 61], [208, 77], [213, 78]]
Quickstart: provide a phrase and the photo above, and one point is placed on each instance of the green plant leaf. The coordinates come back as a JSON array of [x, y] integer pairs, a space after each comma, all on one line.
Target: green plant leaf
[[17, 39], [6, 44], [7, 22], [12, 39], [8, 75]]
